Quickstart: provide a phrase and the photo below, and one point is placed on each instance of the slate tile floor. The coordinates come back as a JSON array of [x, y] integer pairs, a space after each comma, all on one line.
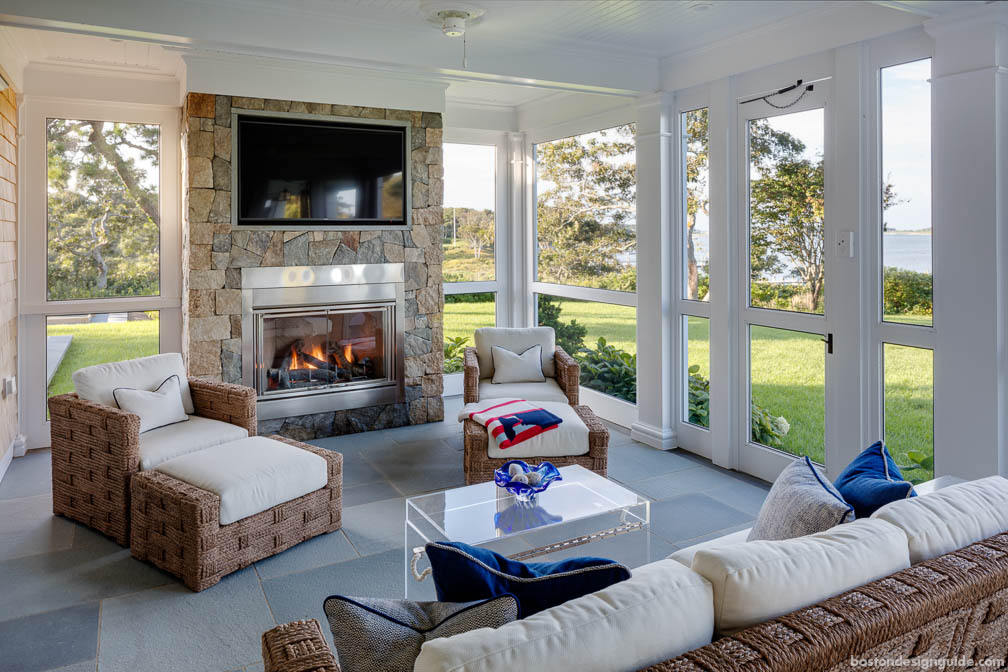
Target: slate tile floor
[[73, 601]]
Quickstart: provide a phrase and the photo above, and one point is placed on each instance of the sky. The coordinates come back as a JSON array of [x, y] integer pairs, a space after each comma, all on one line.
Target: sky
[[470, 176]]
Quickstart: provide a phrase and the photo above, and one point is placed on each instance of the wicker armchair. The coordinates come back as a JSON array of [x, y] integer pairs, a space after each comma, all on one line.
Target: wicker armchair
[[96, 450], [568, 375]]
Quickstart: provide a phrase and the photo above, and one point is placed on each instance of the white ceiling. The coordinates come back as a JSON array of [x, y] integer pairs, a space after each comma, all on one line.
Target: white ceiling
[[615, 43]]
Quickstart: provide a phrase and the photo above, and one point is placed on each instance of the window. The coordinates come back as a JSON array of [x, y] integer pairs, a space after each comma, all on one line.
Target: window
[[102, 272], [908, 400], [470, 185], [601, 336], [696, 336], [103, 209], [463, 315], [696, 217], [586, 226], [906, 192], [786, 218]]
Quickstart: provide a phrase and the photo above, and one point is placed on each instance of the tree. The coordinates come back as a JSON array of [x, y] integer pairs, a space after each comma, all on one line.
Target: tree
[[697, 197], [476, 227], [586, 209], [103, 210], [569, 335]]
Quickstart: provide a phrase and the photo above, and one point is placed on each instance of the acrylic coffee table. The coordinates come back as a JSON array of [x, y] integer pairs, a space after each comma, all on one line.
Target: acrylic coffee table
[[583, 514]]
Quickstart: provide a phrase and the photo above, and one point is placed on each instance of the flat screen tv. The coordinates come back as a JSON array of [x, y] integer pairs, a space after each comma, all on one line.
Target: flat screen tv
[[302, 172]]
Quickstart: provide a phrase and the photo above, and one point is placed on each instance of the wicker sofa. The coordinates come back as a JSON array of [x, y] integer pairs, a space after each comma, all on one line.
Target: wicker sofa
[[96, 450], [953, 606]]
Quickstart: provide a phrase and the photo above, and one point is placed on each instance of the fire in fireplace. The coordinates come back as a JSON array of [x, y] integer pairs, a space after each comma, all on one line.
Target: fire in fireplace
[[307, 350]]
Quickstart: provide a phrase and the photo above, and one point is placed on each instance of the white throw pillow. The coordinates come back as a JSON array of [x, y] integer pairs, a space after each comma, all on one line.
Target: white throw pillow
[[95, 383], [156, 408], [759, 580], [661, 611], [510, 367], [951, 518]]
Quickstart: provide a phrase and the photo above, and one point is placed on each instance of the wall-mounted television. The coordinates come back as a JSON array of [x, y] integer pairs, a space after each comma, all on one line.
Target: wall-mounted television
[[303, 172]]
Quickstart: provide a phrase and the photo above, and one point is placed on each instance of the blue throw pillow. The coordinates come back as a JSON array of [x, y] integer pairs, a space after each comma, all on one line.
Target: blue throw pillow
[[872, 480], [464, 573]]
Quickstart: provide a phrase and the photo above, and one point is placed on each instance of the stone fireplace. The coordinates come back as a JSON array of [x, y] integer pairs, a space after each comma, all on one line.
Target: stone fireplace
[[307, 385]]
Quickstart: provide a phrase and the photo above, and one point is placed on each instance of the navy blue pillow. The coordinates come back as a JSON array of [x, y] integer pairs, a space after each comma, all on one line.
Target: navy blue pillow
[[464, 573], [872, 480]]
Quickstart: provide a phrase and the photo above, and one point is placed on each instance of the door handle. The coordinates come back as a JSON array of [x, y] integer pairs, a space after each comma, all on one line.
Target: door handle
[[829, 343]]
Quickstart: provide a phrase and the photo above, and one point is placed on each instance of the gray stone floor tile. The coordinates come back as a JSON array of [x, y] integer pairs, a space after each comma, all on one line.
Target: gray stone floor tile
[[28, 527], [28, 475], [369, 492], [685, 543], [636, 462], [421, 466], [83, 666], [322, 550], [375, 527], [358, 471], [694, 479], [172, 628], [98, 569], [692, 515], [743, 495], [50, 640]]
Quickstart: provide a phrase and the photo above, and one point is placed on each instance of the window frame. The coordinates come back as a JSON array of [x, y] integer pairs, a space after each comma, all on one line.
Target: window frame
[[502, 244], [619, 411], [34, 305]]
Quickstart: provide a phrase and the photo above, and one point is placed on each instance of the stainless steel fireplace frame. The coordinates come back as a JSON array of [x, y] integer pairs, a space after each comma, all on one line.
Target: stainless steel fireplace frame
[[297, 288]]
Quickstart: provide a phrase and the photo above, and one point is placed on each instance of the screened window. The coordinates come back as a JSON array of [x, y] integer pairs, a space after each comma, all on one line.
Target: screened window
[[470, 185]]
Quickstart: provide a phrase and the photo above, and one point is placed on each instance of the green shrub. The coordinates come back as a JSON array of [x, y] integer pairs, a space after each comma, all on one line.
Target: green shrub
[[569, 335], [906, 292], [480, 297], [609, 370], [766, 428], [698, 403], [454, 351]]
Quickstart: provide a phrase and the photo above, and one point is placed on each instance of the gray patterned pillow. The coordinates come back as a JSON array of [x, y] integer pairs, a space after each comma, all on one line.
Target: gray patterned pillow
[[376, 635], [802, 501]]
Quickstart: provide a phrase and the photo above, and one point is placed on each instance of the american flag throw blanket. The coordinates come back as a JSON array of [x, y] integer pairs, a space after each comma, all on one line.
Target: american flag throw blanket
[[511, 421]]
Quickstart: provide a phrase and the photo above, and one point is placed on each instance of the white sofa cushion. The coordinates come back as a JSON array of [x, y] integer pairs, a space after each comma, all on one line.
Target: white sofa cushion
[[513, 367], [170, 441], [155, 408], [686, 555], [549, 390], [950, 518], [663, 610], [515, 340], [760, 580], [250, 475], [95, 383]]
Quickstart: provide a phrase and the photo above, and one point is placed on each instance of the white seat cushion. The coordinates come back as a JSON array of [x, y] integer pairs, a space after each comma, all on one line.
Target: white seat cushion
[[686, 555], [663, 610], [549, 390], [95, 383], [170, 441], [250, 475], [950, 518], [759, 580], [515, 340]]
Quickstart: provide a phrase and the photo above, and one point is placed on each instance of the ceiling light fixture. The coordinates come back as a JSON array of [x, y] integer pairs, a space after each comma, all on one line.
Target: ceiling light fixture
[[454, 18], [700, 6]]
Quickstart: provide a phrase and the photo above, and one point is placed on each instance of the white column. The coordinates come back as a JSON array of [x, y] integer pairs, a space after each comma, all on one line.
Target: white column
[[970, 198], [516, 273], [656, 263]]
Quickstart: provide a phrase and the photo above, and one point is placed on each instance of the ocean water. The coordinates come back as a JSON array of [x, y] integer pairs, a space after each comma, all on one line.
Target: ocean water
[[911, 251]]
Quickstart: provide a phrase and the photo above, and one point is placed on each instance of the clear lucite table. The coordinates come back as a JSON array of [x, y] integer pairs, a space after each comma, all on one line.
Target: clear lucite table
[[583, 514]]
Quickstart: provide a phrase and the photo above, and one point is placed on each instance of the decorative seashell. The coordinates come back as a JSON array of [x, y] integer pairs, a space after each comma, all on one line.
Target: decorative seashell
[[514, 470], [533, 477], [520, 478]]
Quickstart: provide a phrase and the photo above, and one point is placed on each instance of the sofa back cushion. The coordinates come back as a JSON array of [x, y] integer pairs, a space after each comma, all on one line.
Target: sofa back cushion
[[760, 580], [517, 341], [802, 501], [663, 610], [951, 518], [96, 383]]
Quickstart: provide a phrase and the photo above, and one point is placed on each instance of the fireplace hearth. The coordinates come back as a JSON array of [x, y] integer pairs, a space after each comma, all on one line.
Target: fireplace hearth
[[323, 338]]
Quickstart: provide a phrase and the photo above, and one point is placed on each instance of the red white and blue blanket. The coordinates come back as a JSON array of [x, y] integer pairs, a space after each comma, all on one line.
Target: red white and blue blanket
[[512, 421]]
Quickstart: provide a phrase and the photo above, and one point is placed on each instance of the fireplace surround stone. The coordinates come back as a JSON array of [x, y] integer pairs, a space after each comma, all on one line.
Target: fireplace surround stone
[[214, 254]]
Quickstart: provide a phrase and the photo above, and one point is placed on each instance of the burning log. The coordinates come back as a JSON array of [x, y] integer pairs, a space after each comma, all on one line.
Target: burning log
[[312, 361]]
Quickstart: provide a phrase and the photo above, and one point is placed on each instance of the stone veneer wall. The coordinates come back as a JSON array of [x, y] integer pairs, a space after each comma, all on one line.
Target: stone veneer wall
[[8, 262], [214, 254]]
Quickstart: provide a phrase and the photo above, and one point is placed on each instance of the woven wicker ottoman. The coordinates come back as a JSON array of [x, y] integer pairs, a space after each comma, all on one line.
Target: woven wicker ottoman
[[176, 526], [479, 467]]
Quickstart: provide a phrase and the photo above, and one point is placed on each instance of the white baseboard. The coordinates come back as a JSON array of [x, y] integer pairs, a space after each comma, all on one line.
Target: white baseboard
[[614, 410], [453, 384], [5, 461], [656, 437]]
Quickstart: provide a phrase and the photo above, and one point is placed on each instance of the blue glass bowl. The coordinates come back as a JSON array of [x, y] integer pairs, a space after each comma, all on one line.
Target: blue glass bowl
[[524, 492], [522, 516]]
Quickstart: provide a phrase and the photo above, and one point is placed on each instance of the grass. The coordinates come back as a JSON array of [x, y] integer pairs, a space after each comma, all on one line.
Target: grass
[[99, 342], [460, 265]]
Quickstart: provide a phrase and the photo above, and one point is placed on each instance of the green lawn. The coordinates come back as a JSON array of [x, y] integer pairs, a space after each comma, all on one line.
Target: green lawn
[[99, 342]]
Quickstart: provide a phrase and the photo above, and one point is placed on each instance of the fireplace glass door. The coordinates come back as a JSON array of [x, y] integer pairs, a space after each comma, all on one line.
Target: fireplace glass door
[[302, 351]]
